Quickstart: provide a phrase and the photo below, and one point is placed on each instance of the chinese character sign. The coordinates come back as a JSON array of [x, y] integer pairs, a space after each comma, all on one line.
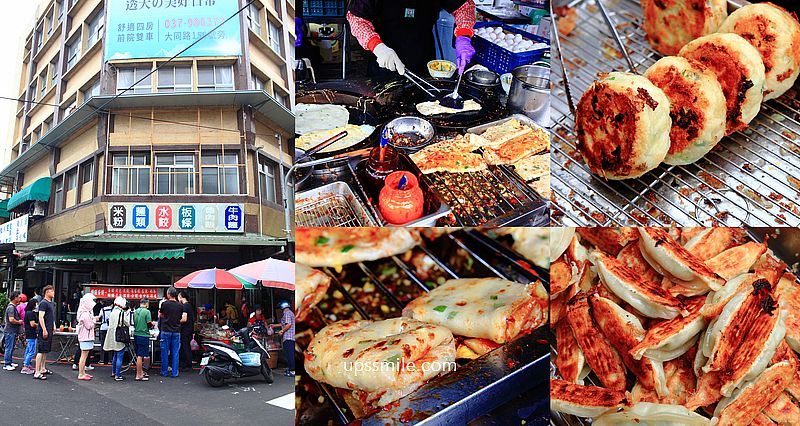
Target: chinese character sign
[[161, 217], [14, 231], [163, 28]]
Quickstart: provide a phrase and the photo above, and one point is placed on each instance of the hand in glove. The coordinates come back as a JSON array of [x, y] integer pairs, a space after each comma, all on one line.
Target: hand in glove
[[387, 58], [464, 52]]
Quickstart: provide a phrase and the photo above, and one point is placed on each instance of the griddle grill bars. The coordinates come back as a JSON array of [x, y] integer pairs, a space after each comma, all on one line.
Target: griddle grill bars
[[473, 389], [750, 178], [494, 196]]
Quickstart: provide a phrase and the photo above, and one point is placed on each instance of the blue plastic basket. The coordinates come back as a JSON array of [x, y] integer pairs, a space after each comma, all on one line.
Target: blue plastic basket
[[501, 60], [323, 8]]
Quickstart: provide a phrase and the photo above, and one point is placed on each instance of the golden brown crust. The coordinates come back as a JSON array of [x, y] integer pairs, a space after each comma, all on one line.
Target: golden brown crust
[[668, 32], [560, 276], [736, 260], [680, 254], [610, 240], [603, 359], [570, 359], [715, 241], [663, 330], [631, 256], [518, 148], [591, 396], [752, 400]]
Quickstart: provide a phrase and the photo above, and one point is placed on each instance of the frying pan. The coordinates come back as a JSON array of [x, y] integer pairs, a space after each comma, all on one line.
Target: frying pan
[[362, 111], [405, 103]]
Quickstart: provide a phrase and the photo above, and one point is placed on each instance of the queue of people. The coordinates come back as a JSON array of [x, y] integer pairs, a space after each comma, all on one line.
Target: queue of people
[[175, 322]]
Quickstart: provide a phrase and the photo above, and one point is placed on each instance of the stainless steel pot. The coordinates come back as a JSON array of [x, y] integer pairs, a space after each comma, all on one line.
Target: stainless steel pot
[[530, 93]]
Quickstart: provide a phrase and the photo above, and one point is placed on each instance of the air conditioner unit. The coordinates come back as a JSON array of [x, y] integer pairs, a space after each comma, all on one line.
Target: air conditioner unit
[[38, 209]]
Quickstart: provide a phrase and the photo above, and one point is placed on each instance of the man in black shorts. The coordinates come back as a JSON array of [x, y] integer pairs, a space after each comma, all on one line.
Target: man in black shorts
[[47, 327]]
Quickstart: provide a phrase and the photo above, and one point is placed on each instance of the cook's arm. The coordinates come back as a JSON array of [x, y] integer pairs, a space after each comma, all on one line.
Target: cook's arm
[[364, 31], [465, 19]]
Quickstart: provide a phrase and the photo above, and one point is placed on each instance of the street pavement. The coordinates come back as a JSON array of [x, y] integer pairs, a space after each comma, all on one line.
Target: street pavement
[[188, 399]]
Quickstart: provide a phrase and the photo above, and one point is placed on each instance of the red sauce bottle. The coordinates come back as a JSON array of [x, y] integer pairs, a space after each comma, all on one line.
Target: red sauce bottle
[[377, 169], [400, 205]]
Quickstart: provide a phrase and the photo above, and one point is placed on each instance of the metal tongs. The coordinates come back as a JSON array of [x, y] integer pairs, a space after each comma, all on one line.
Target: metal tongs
[[420, 81], [323, 145]]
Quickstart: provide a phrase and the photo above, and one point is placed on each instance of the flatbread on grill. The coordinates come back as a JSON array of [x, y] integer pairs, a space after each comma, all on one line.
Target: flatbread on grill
[[776, 34], [624, 332], [318, 247], [389, 347], [739, 70], [518, 148], [532, 167], [499, 134], [436, 108], [745, 404], [355, 134], [436, 160], [672, 257], [311, 288], [647, 298], [585, 401], [488, 308], [600, 355]]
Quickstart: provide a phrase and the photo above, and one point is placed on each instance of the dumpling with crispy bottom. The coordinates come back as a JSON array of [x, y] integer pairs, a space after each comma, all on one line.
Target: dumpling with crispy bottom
[[670, 24], [622, 122], [697, 107], [739, 70], [776, 35]]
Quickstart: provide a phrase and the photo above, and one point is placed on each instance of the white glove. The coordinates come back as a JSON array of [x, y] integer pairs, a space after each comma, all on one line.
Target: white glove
[[387, 58]]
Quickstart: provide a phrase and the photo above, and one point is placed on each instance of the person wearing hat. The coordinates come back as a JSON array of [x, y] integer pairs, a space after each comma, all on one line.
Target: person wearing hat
[[86, 320], [118, 318], [287, 335]]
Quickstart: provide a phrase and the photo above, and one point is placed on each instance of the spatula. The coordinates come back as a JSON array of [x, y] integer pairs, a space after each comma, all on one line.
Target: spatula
[[453, 100]]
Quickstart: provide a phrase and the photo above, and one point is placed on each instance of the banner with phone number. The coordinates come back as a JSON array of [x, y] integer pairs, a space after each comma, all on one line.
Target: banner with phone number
[[143, 29]]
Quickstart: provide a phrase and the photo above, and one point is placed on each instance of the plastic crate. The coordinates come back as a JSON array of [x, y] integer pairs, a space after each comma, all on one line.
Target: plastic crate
[[323, 8], [501, 60]]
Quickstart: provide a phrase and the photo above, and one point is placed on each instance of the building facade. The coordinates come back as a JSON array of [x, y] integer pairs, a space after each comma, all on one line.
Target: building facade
[[130, 169]]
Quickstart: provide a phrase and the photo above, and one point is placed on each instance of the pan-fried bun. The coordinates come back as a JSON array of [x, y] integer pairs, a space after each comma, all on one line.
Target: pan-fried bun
[[776, 35], [739, 69], [697, 107], [623, 123], [670, 24]]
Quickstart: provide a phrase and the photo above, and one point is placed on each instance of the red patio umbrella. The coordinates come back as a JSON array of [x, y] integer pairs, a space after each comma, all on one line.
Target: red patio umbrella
[[215, 278], [271, 272]]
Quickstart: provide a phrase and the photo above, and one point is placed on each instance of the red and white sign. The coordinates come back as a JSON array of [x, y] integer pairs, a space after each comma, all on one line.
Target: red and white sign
[[163, 217], [126, 292]]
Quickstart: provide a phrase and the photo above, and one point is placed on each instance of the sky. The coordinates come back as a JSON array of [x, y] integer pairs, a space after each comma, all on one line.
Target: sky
[[18, 18]]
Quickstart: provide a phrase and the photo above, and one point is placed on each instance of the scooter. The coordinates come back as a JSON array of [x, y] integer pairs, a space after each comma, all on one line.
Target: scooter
[[221, 362]]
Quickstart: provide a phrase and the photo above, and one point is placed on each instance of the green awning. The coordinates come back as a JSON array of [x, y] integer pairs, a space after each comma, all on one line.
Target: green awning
[[125, 255], [4, 209], [37, 191]]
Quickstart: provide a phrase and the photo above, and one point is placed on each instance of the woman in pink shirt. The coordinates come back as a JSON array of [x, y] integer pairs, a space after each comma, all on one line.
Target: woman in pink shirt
[[86, 320]]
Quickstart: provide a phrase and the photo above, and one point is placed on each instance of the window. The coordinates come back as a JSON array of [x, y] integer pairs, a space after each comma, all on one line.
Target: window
[[175, 79], [254, 17], [32, 91], [275, 37], [43, 82], [282, 97], [72, 179], [53, 73], [174, 174], [92, 90], [95, 29], [25, 144], [220, 173], [257, 82], [58, 199], [50, 23], [214, 77], [86, 172], [127, 77], [60, 11], [277, 4], [130, 174], [73, 52], [39, 38], [37, 134], [72, 106], [266, 176]]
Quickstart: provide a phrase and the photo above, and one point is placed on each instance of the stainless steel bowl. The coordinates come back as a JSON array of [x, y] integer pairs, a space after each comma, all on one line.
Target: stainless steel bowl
[[410, 125], [530, 93]]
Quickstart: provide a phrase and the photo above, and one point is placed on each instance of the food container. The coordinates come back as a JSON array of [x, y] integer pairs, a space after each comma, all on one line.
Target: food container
[[401, 205], [416, 133], [502, 60], [377, 169], [440, 68], [530, 92]]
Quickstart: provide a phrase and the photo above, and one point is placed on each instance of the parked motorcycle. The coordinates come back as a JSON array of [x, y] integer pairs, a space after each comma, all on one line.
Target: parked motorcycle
[[222, 362]]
